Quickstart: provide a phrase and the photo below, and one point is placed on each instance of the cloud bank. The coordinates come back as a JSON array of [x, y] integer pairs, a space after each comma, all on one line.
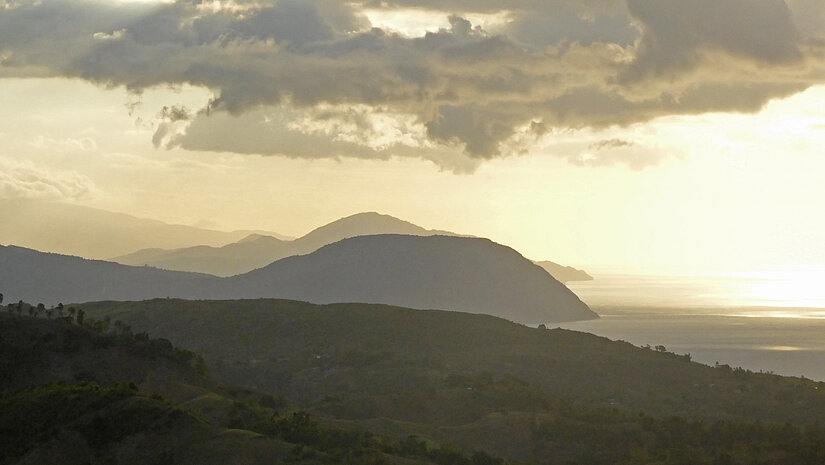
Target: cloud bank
[[27, 181], [313, 78]]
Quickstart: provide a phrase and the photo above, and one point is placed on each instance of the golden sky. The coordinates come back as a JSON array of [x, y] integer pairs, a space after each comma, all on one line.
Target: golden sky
[[638, 135]]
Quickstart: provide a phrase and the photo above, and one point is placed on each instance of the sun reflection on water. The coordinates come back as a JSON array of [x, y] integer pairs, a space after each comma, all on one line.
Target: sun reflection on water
[[779, 348], [783, 293], [790, 289]]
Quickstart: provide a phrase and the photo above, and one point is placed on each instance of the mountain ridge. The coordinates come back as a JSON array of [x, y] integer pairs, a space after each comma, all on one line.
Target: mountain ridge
[[473, 275], [446, 272], [256, 251]]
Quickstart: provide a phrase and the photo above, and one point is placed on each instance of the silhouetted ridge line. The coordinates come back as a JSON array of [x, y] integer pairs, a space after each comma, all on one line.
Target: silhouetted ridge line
[[256, 251], [441, 272]]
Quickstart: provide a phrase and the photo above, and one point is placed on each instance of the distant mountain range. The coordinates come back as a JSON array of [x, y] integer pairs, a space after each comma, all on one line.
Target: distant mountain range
[[564, 273], [256, 251], [99, 234], [443, 272]]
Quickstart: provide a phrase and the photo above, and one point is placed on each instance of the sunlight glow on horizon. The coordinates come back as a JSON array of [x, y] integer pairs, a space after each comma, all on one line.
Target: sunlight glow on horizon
[[782, 293], [802, 289]]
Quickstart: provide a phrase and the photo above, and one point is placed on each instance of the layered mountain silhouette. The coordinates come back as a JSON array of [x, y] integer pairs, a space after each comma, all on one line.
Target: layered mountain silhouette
[[98, 234], [442, 272], [93, 233], [258, 250], [249, 253]]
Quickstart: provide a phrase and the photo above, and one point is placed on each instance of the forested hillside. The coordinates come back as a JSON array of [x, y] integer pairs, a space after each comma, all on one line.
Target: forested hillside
[[77, 391], [533, 395]]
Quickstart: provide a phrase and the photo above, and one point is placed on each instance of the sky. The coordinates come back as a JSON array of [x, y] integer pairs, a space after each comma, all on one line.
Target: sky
[[644, 135]]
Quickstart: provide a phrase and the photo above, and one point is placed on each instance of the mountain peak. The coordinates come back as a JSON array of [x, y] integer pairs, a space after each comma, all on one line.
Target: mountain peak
[[359, 224], [420, 271], [257, 237], [365, 217]]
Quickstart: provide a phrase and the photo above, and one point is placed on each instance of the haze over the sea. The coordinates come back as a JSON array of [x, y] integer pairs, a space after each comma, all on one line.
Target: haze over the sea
[[782, 292], [762, 321]]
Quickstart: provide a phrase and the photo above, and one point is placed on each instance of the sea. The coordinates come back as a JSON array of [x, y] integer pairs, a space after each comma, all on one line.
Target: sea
[[761, 321]]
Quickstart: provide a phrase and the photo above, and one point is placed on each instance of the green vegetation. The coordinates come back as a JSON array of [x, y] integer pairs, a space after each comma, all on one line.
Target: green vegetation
[[97, 422], [66, 396], [369, 361], [36, 351], [531, 395], [364, 384], [101, 415]]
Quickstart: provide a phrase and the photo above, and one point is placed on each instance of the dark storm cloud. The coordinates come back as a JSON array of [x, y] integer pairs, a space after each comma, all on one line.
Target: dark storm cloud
[[271, 133], [675, 32], [554, 64]]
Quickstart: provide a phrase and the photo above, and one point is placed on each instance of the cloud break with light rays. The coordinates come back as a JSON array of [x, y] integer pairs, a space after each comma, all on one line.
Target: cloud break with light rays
[[319, 79]]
